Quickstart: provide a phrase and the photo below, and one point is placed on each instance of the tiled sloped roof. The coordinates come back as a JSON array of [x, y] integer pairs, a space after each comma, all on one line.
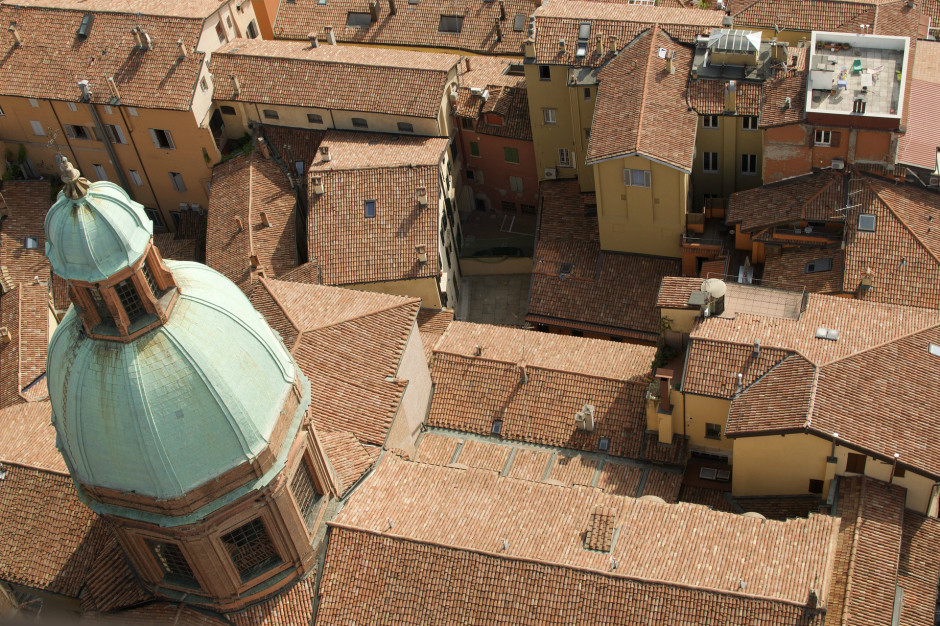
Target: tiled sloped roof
[[432, 323], [111, 583], [918, 568], [26, 205], [294, 144], [918, 146], [590, 357], [50, 539], [24, 313], [788, 265], [560, 19], [158, 614], [641, 108], [776, 110], [351, 248], [870, 541], [779, 401], [707, 97], [349, 343], [331, 77], [808, 15], [815, 197], [413, 24], [347, 455], [712, 367], [511, 103], [177, 249], [174, 8], [726, 550], [903, 254], [50, 61], [674, 291], [293, 607], [28, 437], [594, 293], [241, 189]]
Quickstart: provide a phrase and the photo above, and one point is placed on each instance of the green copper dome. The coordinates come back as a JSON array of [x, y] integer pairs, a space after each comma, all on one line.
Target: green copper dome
[[94, 230], [179, 405]]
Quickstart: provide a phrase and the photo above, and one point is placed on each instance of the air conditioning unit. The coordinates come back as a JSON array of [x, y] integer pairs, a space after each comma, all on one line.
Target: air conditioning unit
[[838, 164], [551, 173]]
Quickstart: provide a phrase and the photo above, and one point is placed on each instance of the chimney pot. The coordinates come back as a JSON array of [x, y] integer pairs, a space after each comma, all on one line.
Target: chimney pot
[[182, 48], [731, 97], [325, 153], [314, 43], [263, 147], [422, 193], [264, 219], [670, 62], [236, 87], [5, 335], [477, 350], [17, 40], [467, 62], [561, 46], [330, 36], [373, 11], [599, 43], [422, 252], [499, 30], [318, 185], [238, 224], [254, 260]]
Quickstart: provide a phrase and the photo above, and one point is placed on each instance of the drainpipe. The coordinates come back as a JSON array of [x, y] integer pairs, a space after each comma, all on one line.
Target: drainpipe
[[110, 149]]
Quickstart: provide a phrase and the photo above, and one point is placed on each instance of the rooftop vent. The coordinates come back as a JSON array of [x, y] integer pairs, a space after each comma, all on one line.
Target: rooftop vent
[[827, 333], [933, 349], [17, 40], [866, 222], [318, 187], [325, 153], [421, 252]]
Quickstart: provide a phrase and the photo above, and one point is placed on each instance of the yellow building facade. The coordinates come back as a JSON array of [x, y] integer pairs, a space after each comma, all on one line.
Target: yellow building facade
[[729, 156]]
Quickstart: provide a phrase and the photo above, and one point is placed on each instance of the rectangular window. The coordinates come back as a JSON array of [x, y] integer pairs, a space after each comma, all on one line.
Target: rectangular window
[[511, 155], [636, 178], [515, 184], [450, 24], [99, 171], [227, 110], [162, 139], [72, 106], [135, 178], [173, 564], [107, 109], [466, 123], [37, 128], [252, 30], [299, 167], [549, 115], [33, 102], [313, 118], [270, 114], [470, 175], [130, 300], [305, 494], [115, 134], [1, 112], [518, 22], [748, 163], [474, 149], [355, 19], [822, 137], [370, 209], [564, 158], [749, 122], [545, 72], [819, 265], [177, 179], [204, 84], [587, 94], [154, 216], [710, 121], [359, 122], [587, 134], [899, 471], [251, 550], [855, 463], [77, 132], [508, 206], [405, 127], [710, 162], [712, 431], [220, 31]]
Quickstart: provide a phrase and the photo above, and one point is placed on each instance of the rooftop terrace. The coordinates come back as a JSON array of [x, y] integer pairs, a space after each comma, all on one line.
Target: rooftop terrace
[[857, 75]]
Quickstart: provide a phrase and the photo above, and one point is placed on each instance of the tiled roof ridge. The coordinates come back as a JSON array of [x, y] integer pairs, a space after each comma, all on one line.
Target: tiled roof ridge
[[867, 181], [542, 368], [917, 331], [608, 574], [818, 193], [646, 82], [300, 331], [409, 301], [97, 10], [362, 63], [807, 424], [35, 468], [251, 173], [366, 168]]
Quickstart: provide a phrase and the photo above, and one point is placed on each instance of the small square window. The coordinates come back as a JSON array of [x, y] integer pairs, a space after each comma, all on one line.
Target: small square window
[[33, 102], [855, 463], [866, 222], [450, 24], [497, 427], [515, 184], [822, 137], [508, 206], [749, 122], [565, 270], [360, 122], [712, 431], [549, 115], [545, 72], [177, 179], [819, 265], [132, 111], [299, 167], [99, 172], [636, 178], [587, 94], [270, 114], [162, 139], [313, 118], [220, 31], [227, 110], [370, 208], [564, 158], [899, 471], [710, 121], [815, 486], [38, 130], [511, 155], [470, 175], [406, 127], [31, 243], [72, 106], [603, 444]]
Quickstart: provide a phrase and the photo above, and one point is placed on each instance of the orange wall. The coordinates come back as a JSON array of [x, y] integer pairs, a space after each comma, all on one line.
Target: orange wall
[[872, 145], [265, 12], [787, 152], [496, 171]]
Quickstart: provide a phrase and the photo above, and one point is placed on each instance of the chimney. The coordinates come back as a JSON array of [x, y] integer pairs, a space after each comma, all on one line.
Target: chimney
[[756, 351], [731, 97], [325, 153], [373, 11], [238, 224], [466, 61], [112, 87], [561, 46], [786, 103], [499, 30], [528, 48], [135, 33], [5, 335], [391, 7], [330, 37], [182, 48], [670, 62], [477, 350], [422, 253], [665, 402], [318, 185], [599, 45], [236, 88], [264, 219], [585, 418], [422, 196], [254, 261], [739, 386], [314, 43], [263, 147], [813, 601], [145, 42], [17, 40], [502, 10], [86, 90]]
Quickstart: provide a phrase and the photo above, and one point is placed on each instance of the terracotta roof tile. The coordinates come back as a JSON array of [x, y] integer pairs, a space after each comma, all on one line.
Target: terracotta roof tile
[[708, 97], [484, 455], [570, 470], [663, 485], [781, 400], [826, 15], [332, 77], [641, 108], [50, 539], [48, 64], [780, 507], [242, 189], [510, 103], [28, 437], [706, 496], [26, 205], [294, 144], [24, 313], [620, 479], [349, 458], [293, 607], [600, 531], [593, 292], [177, 249], [712, 367], [159, 614], [351, 248], [413, 25], [783, 100], [814, 197], [557, 19], [918, 568], [674, 291], [111, 583], [424, 541], [432, 323], [788, 265], [174, 8], [530, 465]]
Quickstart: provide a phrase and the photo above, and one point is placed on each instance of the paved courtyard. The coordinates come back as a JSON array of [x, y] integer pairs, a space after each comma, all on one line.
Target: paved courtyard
[[494, 299]]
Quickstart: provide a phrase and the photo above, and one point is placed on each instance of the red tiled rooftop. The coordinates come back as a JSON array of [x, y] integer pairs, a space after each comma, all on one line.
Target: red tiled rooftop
[[28, 437], [26, 205]]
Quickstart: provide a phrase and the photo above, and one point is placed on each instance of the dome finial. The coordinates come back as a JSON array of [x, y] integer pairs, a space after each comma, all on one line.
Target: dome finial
[[76, 185]]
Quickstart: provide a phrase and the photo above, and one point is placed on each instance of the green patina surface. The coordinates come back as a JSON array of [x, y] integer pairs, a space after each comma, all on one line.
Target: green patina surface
[[93, 238]]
